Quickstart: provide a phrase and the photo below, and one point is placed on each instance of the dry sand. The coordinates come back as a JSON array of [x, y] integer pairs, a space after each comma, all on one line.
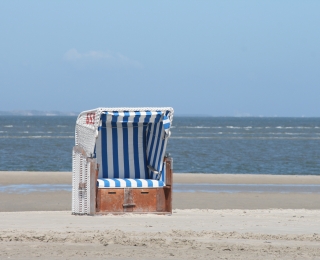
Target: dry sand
[[187, 234], [225, 226]]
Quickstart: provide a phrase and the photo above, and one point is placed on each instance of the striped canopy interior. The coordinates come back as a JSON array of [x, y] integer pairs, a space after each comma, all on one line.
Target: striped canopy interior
[[131, 145]]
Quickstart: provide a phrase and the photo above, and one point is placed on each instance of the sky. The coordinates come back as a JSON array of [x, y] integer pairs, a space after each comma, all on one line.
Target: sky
[[217, 58]]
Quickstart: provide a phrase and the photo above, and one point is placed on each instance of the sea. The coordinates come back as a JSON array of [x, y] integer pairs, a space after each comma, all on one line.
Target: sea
[[238, 145]]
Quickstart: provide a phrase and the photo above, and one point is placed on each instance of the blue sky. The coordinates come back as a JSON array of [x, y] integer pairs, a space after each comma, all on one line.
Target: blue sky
[[219, 58]]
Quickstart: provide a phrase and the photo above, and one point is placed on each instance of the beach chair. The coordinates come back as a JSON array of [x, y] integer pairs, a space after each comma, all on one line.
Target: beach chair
[[120, 163]]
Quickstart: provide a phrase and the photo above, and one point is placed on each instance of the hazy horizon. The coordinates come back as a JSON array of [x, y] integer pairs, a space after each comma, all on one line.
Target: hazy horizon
[[74, 113]]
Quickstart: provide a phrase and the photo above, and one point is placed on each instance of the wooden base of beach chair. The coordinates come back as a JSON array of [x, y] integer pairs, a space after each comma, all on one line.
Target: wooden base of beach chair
[[134, 200]]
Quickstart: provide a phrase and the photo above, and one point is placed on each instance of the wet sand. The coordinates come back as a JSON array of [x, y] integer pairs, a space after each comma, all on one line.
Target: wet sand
[[61, 199]]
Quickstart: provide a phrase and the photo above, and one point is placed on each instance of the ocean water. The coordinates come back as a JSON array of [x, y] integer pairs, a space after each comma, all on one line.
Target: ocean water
[[197, 144]]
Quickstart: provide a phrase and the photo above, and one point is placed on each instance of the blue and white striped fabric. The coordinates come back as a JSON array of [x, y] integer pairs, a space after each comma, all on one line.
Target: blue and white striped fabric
[[131, 145], [166, 124], [129, 183]]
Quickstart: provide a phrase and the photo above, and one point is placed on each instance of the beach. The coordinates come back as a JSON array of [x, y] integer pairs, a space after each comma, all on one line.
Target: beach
[[204, 224]]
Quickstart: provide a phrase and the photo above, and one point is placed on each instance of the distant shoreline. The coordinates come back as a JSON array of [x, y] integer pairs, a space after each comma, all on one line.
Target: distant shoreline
[[73, 113]]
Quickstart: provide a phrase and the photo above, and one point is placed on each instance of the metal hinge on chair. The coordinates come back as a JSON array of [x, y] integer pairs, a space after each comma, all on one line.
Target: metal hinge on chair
[[155, 171], [128, 203], [152, 169]]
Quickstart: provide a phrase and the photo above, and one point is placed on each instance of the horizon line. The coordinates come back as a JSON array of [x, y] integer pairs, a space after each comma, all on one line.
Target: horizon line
[[73, 113]]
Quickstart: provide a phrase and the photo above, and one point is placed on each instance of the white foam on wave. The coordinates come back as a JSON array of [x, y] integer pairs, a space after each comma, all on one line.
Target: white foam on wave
[[8, 126], [37, 137], [199, 127], [294, 127], [196, 127], [247, 137], [248, 127]]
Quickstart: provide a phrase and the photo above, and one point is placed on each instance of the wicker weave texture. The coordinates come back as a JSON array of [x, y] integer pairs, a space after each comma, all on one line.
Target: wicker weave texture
[[80, 184]]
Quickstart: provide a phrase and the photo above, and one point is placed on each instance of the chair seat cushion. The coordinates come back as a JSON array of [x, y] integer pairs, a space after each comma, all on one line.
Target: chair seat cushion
[[129, 183]]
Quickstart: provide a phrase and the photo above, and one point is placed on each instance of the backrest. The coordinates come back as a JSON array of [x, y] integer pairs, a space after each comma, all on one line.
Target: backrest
[[129, 142]]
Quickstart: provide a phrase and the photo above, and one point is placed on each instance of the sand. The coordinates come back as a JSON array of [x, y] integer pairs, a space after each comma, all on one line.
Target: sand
[[187, 234], [42, 201], [202, 226]]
